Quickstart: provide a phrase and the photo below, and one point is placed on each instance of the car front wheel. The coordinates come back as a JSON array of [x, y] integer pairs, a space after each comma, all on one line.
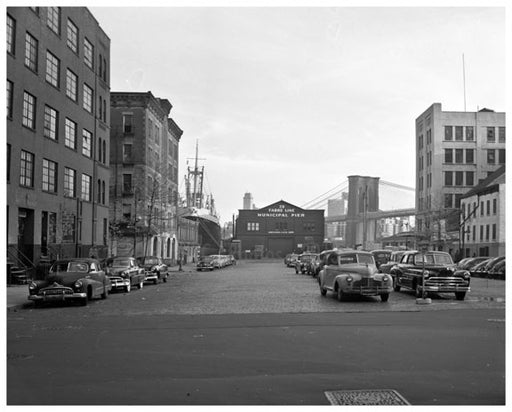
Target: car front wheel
[[384, 297], [323, 291], [340, 295], [460, 295], [128, 287]]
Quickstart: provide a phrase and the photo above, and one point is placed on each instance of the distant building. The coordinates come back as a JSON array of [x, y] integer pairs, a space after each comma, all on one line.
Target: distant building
[[144, 182], [278, 229], [58, 126], [248, 201], [483, 217], [454, 151]]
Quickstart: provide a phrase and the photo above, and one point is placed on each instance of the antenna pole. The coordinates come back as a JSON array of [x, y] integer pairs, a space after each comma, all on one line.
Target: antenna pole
[[464, 79]]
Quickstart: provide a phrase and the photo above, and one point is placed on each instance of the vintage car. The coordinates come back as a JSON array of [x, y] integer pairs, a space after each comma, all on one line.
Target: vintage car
[[290, 260], [314, 263], [394, 259], [124, 272], [78, 279], [471, 262], [381, 256], [302, 262], [430, 272], [205, 263], [354, 273], [155, 270]]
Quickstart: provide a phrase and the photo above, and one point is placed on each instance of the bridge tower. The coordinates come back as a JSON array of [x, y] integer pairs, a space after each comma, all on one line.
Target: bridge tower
[[363, 197]]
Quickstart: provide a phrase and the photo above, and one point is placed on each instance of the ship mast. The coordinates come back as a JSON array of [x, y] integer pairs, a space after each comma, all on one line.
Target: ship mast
[[197, 190]]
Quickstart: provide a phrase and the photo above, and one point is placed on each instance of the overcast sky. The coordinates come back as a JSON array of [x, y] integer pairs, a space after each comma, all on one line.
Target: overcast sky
[[287, 102]]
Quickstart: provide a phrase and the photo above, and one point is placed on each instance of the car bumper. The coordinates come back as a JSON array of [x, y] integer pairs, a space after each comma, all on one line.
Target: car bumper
[[58, 297], [444, 288], [150, 277], [367, 290], [119, 283]]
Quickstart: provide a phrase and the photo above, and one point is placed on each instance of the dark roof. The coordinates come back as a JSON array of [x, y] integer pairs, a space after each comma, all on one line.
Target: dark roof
[[487, 184]]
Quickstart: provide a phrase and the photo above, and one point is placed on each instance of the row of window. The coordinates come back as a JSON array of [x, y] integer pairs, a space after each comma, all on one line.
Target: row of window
[[280, 226], [465, 133], [471, 233], [49, 177], [53, 21], [487, 208], [51, 125]]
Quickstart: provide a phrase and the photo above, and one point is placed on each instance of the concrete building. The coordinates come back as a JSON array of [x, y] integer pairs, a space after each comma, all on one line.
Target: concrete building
[[278, 229], [483, 217], [454, 151], [58, 126], [144, 180], [248, 201]]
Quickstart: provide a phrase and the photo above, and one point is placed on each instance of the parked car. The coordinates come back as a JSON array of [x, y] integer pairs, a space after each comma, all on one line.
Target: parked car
[[354, 273], [393, 260], [205, 263], [302, 262], [79, 279], [430, 272], [498, 270], [290, 262], [155, 270], [381, 256], [125, 272], [471, 262], [324, 255], [479, 269], [314, 266]]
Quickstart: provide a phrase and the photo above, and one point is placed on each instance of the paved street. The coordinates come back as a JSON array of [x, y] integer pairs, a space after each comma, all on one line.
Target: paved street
[[255, 333]]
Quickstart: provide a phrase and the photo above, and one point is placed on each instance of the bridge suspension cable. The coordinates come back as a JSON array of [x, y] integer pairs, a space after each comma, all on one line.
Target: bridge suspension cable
[[386, 183], [324, 196]]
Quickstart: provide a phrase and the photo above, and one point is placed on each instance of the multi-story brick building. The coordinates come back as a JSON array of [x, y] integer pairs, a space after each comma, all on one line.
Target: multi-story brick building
[[58, 71], [483, 217], [144, 178], [454, 151]]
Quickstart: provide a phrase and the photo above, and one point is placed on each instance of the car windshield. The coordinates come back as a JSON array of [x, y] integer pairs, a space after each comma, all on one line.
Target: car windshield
[[121, 262], [150, 261], [356, 258], [59, 267], [434, 258], [78, 267], [207, 259]]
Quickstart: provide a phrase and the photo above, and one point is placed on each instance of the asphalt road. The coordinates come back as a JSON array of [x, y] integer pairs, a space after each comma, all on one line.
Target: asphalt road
[[254, 334]]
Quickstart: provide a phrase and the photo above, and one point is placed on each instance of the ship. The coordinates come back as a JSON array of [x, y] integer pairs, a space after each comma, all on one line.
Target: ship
[[200, 207]]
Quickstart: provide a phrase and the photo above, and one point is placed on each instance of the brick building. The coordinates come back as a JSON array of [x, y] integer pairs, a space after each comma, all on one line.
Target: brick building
[[58, 75]]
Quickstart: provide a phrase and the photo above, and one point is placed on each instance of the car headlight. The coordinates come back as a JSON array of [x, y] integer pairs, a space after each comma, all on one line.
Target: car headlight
[[78, 285], [466, 275], [124, 274], [385, 278], [32, 286], [426, 274], [349, 279]]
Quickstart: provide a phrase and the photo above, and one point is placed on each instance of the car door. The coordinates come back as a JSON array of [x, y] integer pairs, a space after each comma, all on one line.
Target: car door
[[95, 276], [407, 278], [330, 271]]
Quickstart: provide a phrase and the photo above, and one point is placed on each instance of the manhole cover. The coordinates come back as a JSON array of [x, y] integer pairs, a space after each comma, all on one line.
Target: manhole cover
[[366, 397]]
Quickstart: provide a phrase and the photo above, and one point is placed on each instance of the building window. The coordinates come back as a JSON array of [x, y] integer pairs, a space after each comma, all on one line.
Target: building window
[[494, 231], [470, 156], [488, 207], [459, 178], [52, 69], [459, 155], [494, 206], [491, 156], [486, 232], [501, 134], [8, 163], [72, 40], [481, 232], [70, 134], [482, 208], [103, 193], [86, 142], [88, 98], [127, 211], [27, 169], [458, 198], [71, 85], [469, 133], [128, 123], [448, 133], [127, 183], [69, 182], [9, 93], [49, 179], [86, 188], [448, 178], [448, 155], [309, 227], [11, 35], [253, 227], [474, 233], [501, 156], [31, 52], [127, 153], [448, 200], [470, 178], [51, 119], [458, 133], [491, 137], [29, 111], [88, 54], [104, 144], [53, 19]]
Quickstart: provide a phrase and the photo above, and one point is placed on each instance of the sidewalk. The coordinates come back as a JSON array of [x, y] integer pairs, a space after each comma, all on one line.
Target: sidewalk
[[483, 289]]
